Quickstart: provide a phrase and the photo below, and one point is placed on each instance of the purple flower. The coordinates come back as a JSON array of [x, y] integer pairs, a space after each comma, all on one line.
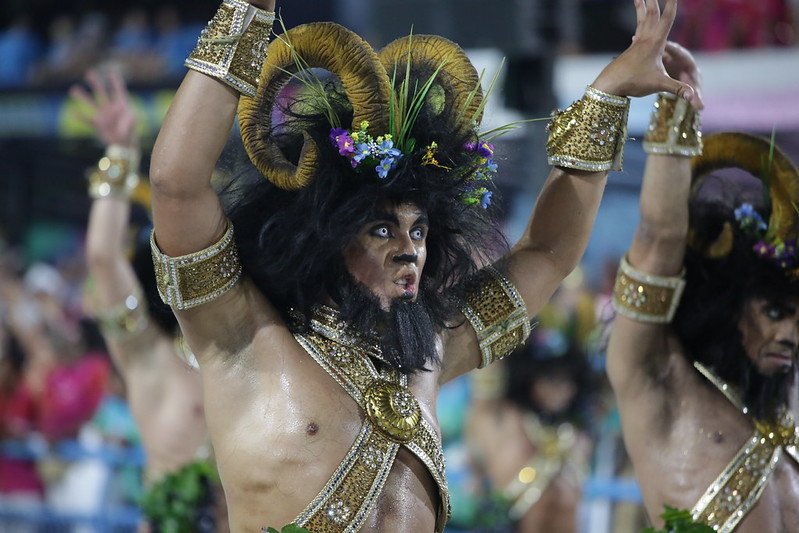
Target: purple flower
[[470, 146], [763, 249], [335, 133], [485, 150]]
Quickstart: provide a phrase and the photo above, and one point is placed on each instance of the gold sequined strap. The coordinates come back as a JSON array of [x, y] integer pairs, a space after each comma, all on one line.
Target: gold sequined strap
[[497, 313], [347, 499], [674, 129], [739, 486], [646, 297], [191, 280], [590, 134], [233, 46], [391, 411], [125, 319]]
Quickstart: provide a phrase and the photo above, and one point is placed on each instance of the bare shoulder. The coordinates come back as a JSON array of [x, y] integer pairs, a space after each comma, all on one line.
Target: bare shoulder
[[228, 326]]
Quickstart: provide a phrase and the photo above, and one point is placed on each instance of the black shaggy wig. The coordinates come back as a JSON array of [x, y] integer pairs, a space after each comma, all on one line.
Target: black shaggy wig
[[716, 291], [291, 242]]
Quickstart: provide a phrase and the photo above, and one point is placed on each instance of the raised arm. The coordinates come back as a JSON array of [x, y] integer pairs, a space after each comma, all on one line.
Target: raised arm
[[117, 297], [637, 349], [581, 145], [187, 214], [558, 231]]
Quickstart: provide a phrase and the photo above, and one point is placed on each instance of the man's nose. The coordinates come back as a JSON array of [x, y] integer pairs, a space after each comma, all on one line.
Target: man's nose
[[406, 251], [788, 333]]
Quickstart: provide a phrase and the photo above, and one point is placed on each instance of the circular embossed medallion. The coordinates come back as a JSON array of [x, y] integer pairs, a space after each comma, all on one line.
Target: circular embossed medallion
[[393, 409]]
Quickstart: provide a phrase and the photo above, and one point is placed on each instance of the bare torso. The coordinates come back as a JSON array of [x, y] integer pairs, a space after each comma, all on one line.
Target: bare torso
[[683, 433], [280, 426], [166, 399], [501, 427]]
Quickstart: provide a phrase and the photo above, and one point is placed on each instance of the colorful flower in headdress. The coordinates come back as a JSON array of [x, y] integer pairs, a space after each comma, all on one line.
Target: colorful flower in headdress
[[781, 253]]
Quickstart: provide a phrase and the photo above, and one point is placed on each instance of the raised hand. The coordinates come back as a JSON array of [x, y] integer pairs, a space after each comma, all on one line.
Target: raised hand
[[680, 65], [640, 70], [108, 109]]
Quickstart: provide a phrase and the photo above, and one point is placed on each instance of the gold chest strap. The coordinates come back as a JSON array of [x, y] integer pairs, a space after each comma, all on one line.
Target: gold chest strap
[[739, 486], [393, 419]]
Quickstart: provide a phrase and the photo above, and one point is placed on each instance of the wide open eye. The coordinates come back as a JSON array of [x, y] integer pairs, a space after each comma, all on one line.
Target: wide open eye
[[381, 231], [417, 234], [774, 312]]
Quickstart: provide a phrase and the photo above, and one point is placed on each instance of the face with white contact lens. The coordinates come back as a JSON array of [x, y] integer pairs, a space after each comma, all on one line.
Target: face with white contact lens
[[770, 334], [388, 254]]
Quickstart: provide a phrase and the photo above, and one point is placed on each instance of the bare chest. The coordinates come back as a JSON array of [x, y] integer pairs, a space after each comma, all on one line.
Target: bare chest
[[293, 434]]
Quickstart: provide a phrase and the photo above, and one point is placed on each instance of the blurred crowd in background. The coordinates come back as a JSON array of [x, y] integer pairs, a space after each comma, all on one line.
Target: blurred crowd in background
[[68, 443]]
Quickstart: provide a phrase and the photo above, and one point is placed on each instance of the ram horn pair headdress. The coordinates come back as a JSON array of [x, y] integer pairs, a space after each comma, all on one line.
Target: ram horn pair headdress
[[366, 78], [761, 158]]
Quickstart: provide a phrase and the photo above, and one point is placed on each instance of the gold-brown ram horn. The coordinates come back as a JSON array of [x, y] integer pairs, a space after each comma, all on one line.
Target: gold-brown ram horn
[[319, 45], [457, 77], [754, 155]]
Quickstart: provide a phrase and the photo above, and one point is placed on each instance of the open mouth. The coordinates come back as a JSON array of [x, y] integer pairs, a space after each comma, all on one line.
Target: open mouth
[[408, 286]]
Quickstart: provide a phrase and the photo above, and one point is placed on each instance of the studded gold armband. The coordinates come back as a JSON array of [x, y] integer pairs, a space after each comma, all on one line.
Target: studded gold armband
[[232, 47], [191, 280], [674, 128], [590, 134], [646, 297], [497, 313], [123, 320], [116, 173]]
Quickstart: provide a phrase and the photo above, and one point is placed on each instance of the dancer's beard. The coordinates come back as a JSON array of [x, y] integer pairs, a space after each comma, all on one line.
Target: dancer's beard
[[406, 332], [765, 395]]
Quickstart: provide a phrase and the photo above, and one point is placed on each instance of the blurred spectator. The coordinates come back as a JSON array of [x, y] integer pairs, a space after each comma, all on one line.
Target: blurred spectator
[[19, 48], [728, 24], [527, 435]]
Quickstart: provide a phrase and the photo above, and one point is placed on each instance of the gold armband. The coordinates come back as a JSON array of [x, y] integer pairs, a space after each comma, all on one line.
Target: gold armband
[[589, 134], [497, 313], [191, 280], [674, 128], [115, 175], [232, 47], [646, 297], [128, 318]]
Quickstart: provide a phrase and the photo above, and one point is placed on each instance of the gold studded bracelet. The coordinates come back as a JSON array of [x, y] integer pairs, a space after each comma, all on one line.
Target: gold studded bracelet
[[232, 47], [125, 319], [191, 280], [116, 173], [674, 129], [496, 311], [589, 134], [646, 297]]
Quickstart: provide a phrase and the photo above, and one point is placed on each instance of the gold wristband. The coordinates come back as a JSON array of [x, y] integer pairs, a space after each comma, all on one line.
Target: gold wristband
[[125, 319], [116, 173], [674, 128], [646, 297], [589, 134], [497, 313], [232, 47], [191, 280]]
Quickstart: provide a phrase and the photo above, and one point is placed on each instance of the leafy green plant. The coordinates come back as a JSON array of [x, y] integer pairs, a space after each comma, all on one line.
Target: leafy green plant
[[679, 521], [172, 504], [291, 528]]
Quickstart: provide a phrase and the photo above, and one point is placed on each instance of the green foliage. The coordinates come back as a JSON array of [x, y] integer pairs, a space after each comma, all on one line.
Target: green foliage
[[171, 504], [679, 521], [291, 528]]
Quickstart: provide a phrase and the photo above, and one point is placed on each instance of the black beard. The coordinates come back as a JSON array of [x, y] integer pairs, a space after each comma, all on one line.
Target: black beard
[[765, 395], [407, 334]]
